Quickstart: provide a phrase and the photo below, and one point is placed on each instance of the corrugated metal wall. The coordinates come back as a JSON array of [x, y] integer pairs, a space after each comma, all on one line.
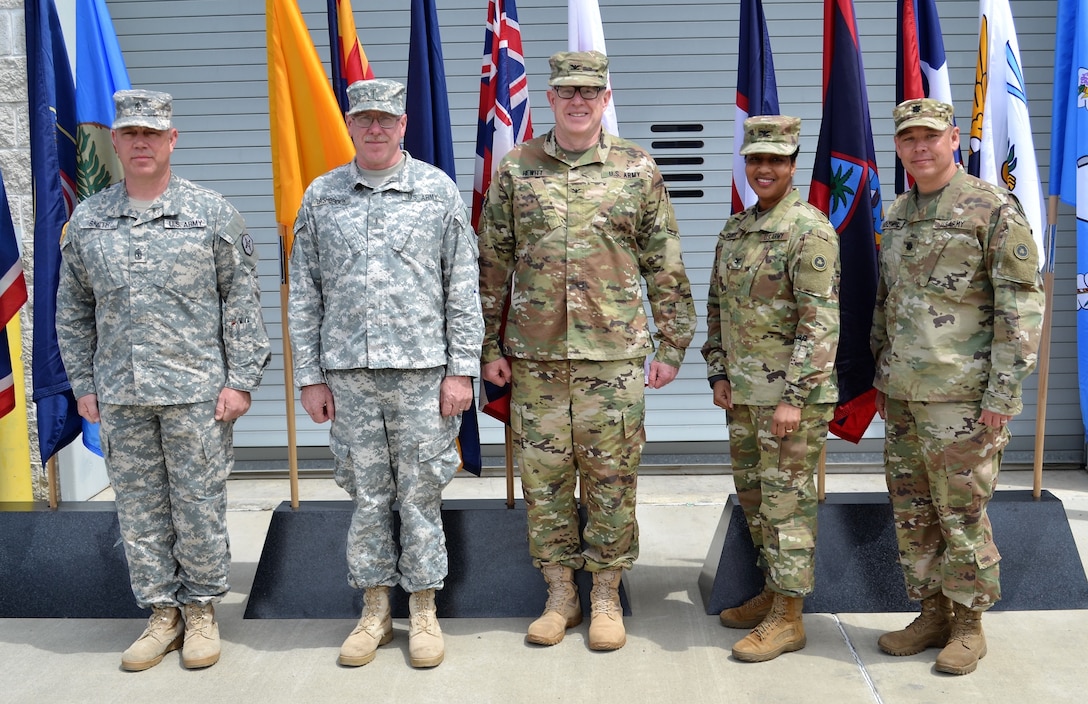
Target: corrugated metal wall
[[672, 64]]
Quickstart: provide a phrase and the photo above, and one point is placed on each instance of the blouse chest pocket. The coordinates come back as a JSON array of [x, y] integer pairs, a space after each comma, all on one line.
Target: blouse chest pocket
[[747, 266], [181, 261], [533, 208], [951, 263]]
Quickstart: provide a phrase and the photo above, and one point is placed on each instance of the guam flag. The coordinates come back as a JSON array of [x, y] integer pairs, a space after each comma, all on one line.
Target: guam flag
[[757, 92], [349, 63], [845, 186], [504, 121], [921, 67]]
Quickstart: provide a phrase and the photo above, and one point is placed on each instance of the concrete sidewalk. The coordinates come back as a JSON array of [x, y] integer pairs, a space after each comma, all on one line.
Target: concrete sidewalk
[[674, 652]]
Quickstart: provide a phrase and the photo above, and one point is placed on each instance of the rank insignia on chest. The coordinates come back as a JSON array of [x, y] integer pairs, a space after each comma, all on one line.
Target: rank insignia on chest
[[139, 255], [736, 263]]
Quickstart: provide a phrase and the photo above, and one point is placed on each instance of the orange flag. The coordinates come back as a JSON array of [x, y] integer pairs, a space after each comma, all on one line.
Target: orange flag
[[309, 136]]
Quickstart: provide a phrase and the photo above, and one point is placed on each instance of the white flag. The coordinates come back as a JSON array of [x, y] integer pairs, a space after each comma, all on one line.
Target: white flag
[[1002, 148], [586, 33]]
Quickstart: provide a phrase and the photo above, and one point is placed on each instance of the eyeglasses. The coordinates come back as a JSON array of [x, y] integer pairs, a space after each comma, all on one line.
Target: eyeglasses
[[385, 121], [587, 92]]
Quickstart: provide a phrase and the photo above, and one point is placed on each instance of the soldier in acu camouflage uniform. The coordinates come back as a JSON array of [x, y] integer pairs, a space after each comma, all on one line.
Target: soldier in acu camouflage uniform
[[956, 331], [386, 329], [575, 220], [772, 334], [159, 324]]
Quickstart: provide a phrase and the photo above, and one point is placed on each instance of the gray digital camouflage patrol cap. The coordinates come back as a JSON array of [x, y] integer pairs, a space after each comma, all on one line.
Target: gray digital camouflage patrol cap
[[142, 108], [379, 94]]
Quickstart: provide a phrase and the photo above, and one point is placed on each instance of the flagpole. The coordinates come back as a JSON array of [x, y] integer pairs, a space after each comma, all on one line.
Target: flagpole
[[509, 467], [51, 479], [821, 475], [1044, 345], [288, 371]]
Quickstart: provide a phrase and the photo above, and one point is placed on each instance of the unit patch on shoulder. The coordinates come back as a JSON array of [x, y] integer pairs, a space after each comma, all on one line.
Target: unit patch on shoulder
[[247, 244], [1021, 252], [819, 262]]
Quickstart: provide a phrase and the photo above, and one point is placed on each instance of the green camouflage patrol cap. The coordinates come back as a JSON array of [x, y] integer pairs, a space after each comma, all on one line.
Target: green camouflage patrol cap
[[771, 134], [922, 112], [379, 94], [142, 108], [578, 68]]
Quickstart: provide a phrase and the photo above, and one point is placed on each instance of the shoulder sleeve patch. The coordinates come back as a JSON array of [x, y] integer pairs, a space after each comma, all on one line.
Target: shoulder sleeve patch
[[1018, 259], [816, 267]]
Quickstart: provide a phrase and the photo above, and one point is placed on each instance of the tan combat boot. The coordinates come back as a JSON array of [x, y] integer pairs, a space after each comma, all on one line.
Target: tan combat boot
[[425, 648], [563, 610], [606, 621], [163, 634], [931, 629], [201, 647], [966, 646], [375, 628], [781, 632], [749, 614]]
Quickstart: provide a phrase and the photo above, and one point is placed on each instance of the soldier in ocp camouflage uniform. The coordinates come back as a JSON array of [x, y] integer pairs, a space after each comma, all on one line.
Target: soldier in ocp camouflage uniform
[[772, 335], [159, 324], [386, 328], [955, 333], [577, 219]]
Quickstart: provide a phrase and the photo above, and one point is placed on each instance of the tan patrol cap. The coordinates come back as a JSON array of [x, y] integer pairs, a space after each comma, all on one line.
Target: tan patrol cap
[[923, 112], [771, 134], [578, 68], [142, 108], [379, 94]]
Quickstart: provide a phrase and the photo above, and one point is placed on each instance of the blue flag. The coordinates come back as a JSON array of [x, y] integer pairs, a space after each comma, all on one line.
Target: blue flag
[[1069, 157], [101, 73], [53, 167], [845, 186], [757, 91], [429, 138]]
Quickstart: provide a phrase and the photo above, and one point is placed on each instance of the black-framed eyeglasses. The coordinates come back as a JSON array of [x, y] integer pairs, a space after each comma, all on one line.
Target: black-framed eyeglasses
[[587, 92], [384, 121]]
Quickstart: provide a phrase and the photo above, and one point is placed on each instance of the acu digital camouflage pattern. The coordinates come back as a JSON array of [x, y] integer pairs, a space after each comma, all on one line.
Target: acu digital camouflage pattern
[[774, 480], [157, 312], [391, 444], [960, 301], [773, 306], [589, 416], [941, 466], [160, 307], [384, 278], [143, 108], [168, 466], [578, 236]]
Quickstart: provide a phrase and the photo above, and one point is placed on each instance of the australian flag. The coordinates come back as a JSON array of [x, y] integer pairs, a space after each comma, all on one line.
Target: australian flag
[[504, 121], [845, 186]]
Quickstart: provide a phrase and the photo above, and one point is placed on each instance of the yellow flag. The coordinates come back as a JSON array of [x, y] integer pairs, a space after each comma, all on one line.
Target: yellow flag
[[309, 136]]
